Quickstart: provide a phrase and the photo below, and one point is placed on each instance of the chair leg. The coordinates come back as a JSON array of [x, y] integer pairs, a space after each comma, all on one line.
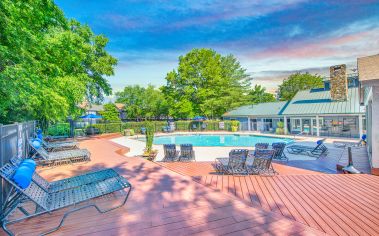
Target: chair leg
[[88, 206]]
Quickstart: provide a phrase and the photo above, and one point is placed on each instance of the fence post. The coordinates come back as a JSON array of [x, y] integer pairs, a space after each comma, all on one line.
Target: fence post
[[2, 188]]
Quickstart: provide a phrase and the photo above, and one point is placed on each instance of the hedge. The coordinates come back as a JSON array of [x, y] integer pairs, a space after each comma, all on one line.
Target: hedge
[[59, 129]]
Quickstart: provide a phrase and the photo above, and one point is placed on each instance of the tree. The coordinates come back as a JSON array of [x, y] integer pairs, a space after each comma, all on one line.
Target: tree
[[110, 112], [297, 82], [258, 95], [48, 64], [143, 102], [205, 83]]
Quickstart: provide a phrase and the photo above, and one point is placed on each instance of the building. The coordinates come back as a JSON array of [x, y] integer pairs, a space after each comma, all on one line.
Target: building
[[97, 109], [368, 69], [333, 110]]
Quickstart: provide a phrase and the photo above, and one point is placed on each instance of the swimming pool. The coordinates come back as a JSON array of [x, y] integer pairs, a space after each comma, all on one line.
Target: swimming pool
[[228, 140]]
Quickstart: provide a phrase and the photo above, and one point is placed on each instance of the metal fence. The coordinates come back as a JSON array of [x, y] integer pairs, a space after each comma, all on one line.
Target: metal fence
[[13, 142]]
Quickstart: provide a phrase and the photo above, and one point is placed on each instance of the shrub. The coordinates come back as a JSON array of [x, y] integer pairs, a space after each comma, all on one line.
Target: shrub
[[235, 125], [59, 129], [108, 127]]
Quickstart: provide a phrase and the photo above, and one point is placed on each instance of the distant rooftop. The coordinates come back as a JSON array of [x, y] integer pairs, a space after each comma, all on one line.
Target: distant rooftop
[[261, 109], [318, 101]]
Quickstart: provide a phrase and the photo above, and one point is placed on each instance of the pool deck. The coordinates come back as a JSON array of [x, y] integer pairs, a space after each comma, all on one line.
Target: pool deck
[[190, 199], [162, 202], [324, 164]]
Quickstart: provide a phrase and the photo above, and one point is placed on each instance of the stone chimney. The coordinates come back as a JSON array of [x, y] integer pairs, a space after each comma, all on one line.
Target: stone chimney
[[338, 83]]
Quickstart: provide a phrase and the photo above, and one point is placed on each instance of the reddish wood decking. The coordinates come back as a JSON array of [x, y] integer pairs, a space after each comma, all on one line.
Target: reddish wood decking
[[335, 204], [161, 203]]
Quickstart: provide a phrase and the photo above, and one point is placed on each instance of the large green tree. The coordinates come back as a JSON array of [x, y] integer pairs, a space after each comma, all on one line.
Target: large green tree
[[297, 82], [206, 83], [259, 95], [48, 64], [110, 112], [143, 102]]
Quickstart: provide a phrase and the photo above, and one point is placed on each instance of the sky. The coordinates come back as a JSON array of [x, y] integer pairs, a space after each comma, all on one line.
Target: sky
[[271, 38]]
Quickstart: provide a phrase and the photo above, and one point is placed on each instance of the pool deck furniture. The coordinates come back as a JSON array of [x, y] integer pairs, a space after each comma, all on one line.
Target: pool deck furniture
[[59, 146], [262, 163], [186, 152], [170, 152], [61, 157], [71, 182], [317, 151], [279, 151], [235, 164], [48, 202], [175, 198]]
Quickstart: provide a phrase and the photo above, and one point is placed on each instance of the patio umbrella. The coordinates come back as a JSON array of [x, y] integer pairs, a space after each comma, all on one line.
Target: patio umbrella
[[91, 116]]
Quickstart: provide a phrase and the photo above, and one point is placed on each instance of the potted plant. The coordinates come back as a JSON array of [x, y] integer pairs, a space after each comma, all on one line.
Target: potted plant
[[149, 153], [234, 125], [279, 128]]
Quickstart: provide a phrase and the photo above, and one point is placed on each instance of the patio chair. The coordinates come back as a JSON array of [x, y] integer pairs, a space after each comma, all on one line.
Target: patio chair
[[317, 151], [260, 146], [57, 145], [186, 152], [48, 202], [170, 152], [279, 151], [235, 164], [262, 163], [61, 157], [67, 183]]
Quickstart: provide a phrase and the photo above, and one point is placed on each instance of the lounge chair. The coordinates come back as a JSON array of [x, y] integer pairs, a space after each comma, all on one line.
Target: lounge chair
[[317, 151], [186, 152], [235, 164], [61, 157], [67, 183], [260, 146], [262, 163], [362, 142], [279, 151], [170, 152], [48, 202], [57, 145]]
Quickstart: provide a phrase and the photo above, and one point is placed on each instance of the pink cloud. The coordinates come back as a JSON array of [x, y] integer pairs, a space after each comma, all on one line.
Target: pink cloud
[[337, 46]]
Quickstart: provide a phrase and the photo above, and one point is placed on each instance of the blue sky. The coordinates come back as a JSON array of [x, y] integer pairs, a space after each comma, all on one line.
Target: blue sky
[[270, 37]]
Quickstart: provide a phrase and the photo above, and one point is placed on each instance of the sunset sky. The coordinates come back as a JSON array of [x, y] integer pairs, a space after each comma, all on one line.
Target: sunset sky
[[271, 38]]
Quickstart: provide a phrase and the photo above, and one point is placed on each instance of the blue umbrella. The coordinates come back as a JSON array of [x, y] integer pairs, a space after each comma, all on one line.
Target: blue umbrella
[[199, 118], [91, 116]]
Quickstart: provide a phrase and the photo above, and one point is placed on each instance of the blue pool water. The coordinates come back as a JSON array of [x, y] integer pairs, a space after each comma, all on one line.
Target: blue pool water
[[229, 140]]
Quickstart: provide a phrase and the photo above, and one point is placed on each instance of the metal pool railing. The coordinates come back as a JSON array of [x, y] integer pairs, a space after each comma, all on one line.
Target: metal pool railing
[[13, 142]]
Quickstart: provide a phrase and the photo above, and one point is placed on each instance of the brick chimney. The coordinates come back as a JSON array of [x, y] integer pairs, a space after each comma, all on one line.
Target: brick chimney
[[338, 83]]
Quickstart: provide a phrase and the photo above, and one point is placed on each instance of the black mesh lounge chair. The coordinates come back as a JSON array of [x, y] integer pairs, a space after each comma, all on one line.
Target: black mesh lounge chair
[[262, 163], [67, 183], [186, 152], [48, 202], [279, 151], [235, 164], [61, 157], [170, 152], [59, 146], [260, 146], [317, 151]]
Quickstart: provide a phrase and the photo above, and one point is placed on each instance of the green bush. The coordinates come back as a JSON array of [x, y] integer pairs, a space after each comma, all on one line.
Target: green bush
[[59, 129], [108, 127], [235, 125]]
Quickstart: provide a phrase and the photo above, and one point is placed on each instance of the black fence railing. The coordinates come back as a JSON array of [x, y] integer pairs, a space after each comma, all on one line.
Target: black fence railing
[[13, 142]]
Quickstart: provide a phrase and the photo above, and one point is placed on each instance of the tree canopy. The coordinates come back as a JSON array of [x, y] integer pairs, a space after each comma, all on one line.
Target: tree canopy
[[143, 102], [259, 95], [110, 112], [206, 83], [297, 82], [48, 64]]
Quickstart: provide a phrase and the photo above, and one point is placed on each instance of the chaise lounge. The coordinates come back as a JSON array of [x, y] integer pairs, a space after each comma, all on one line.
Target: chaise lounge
[[317, 151], [61, 157], [48, 202]]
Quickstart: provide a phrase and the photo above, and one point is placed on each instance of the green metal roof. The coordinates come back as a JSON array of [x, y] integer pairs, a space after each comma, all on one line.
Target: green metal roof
[[316, 101], [262, 109]]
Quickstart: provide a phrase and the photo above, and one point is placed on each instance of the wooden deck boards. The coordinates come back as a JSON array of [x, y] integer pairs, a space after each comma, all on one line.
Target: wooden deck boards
[[162, 202]]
